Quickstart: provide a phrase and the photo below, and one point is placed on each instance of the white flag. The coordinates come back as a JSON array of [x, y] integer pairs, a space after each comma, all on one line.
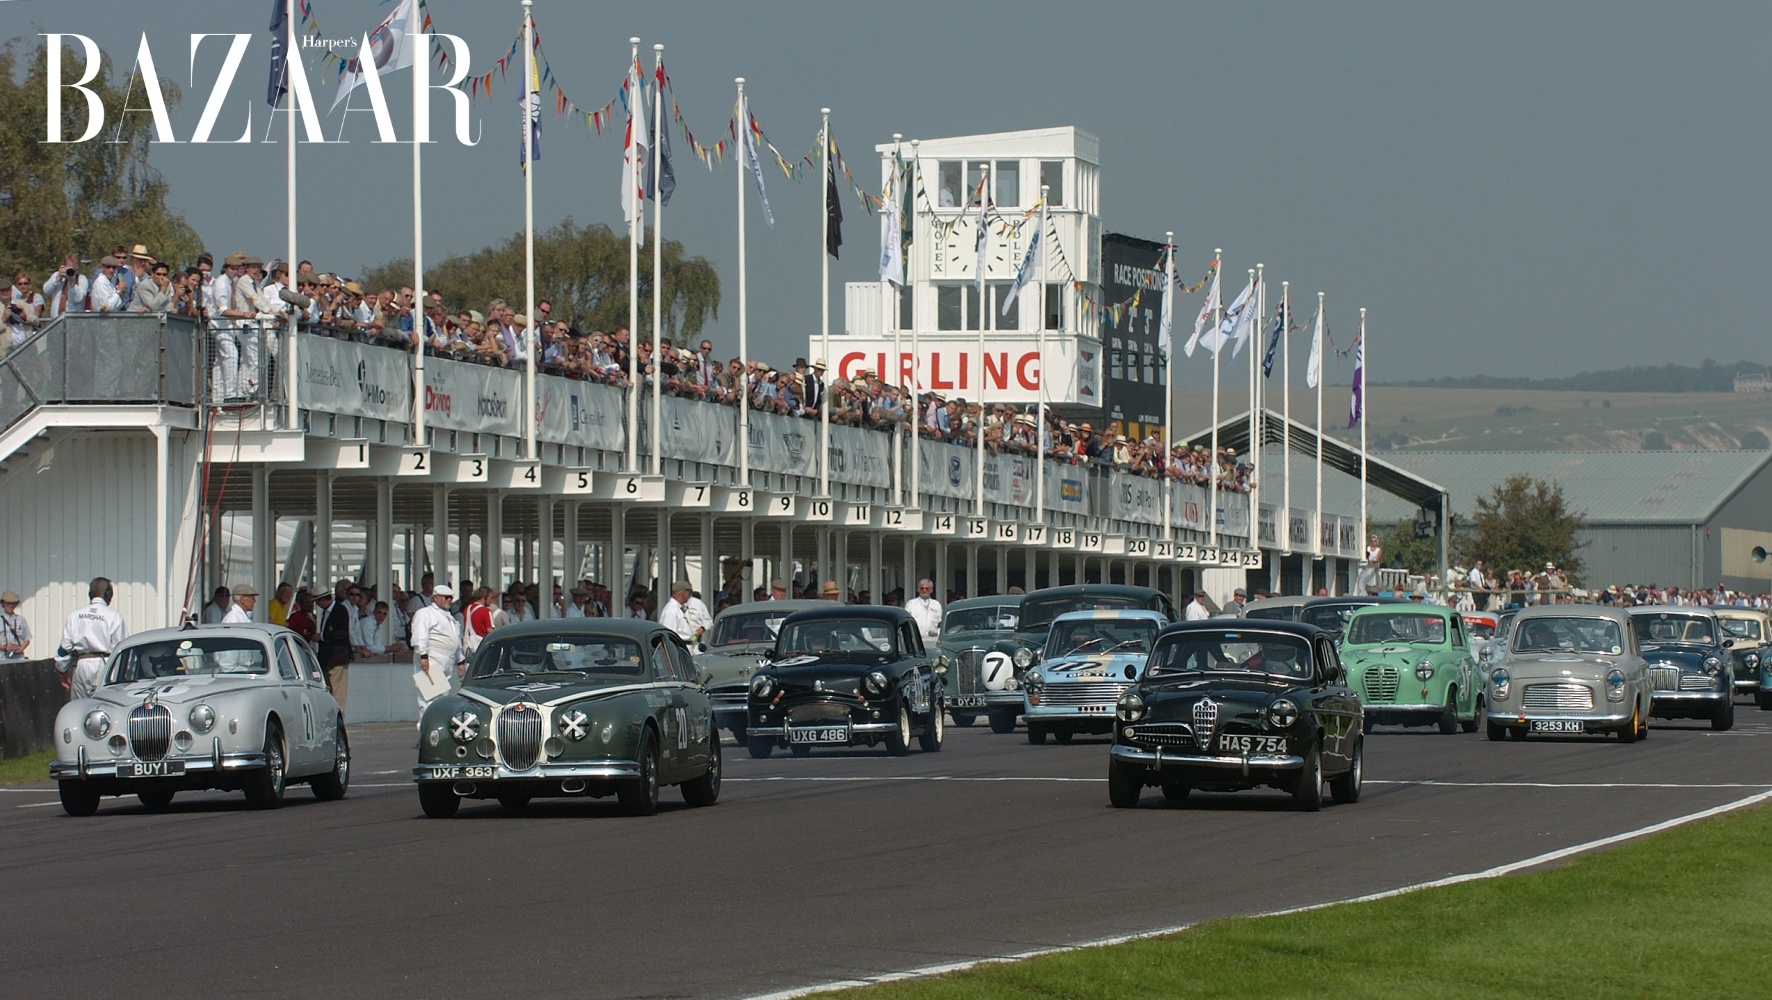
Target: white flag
[[1205, 316], [891, 239], [1217, 338], [1026, 271], [1313, 370], [1166, 325], [984, 202], [390, 49], [1245, 326], [634, 158]]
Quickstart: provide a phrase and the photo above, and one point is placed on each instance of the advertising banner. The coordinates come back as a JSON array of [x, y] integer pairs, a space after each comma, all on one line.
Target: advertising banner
[[338, 376], [476, 398], [692, 431], [1135, 498], [783, 444], [1132, 390], [949, 363], [1067, 488], [588, 414], [946, 470], [861, 457]]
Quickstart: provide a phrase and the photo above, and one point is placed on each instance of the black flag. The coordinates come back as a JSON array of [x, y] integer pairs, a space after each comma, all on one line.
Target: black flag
[[278, 83], [833, 213]]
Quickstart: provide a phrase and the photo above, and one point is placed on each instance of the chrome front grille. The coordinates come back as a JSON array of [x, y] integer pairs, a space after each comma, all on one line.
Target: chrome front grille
[[729, 699], [1697, 682], [1081, 694], [1664, 678], [970, 679], [1381, 685], [1162, 734], [519, 736], [1558, 698], [1206, 717], [150, 731], [819, 711]]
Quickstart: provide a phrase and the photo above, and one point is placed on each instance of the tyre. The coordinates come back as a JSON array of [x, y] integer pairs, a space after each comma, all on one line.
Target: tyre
[[1724, 718], [79, 798], [1125, 784], [1629, 732], [1476, 716], [1062, 736], [156, 799], [639, 795], [705, 790], [1764, 700], [964, 720], [331, 786], [1370, 723], [738, 734], [264, 787], [1643, 733], [761, 747], [1345, 788], [513, 801], [1522, 733], [1174, 791], [438, 800], [1307, 794], [800, 749], [898, 742], [934, 732], [1497, 733], [1036, 734], [1449, 715], [1003, 720]]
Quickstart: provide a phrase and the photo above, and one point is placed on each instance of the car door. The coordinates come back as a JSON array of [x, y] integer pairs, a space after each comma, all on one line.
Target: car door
[[324, 706], [673, 737], [691, 700], [1338, 709], [295, 709], [1466, 671]]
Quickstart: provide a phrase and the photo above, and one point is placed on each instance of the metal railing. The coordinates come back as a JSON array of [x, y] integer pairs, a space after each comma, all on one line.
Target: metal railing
[[240, 360], [102, 358]]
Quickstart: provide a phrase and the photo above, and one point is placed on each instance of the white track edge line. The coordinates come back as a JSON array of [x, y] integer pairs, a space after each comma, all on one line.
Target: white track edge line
[[1487, 873]]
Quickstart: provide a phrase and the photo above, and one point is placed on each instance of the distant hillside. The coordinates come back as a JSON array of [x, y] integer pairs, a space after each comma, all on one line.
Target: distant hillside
[[1708, 376]]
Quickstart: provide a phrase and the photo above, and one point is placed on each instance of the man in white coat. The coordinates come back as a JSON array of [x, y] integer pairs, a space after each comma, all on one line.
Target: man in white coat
[[436, 647], [926, 610], [89, 636]]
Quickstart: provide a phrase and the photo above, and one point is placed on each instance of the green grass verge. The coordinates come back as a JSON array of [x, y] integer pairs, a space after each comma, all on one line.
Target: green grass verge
[[1678, 914], [23, 770]]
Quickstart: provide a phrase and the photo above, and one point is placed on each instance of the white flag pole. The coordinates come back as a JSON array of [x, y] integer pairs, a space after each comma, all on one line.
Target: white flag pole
[[632, 169], [1255, 423], [824, 309], [1286, 413], [294, 393], [916, 357], [886, 287], [1317, 515], [1168, 382], [530, 340], [984, 320], [653, 150], [744, 343], [1040, 346], [416, 27], [1365, 411], [1212, 459]]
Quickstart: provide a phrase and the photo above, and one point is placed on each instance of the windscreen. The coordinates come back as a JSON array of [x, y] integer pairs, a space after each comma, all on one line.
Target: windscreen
[[1374, 628], [1277, 613], [1567, 635], [1478, 628], [993, 618], [738, 630], [1663, 628], [823, 637], [1740, 628], [580, 658], [1037, 612], [1329, 616], [1092, 636], [189, 657], [1242, 652]]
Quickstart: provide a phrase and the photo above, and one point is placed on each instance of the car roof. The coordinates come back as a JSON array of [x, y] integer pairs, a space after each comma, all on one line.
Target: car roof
[[257, 630], [1361, 599], [832, 611], [1005, 600], [1525, 615], [1730, 611], [1133, 614], [631, 628], [1299, 629], [1275, 602], [784, 607], [1439, 610], [1666, 609], [1095, 590]]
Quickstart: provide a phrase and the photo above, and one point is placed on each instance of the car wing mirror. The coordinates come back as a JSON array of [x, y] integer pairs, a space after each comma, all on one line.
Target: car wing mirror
[[1728, 643]]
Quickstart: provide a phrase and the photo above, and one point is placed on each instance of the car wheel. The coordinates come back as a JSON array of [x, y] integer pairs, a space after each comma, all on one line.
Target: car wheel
[[331, 786], [639, 795], [761, 747], [1724, 718], [1643, 733], [1125, 784], [1449, 715], [1629, 731], [1476, 716], [438, 800], [1062, 736], [1003, 721], [264, 787], [79, 798], [934, 732], [155, 800], [1307, 794], [898, 742], [705, 790], [1345, 788], [1522, 733], [1764, 700], [514, 801], [964, 719], [738, 734], [800, 749], [1036, 734], [1174, 791], [1497, 733], [1369, 723]]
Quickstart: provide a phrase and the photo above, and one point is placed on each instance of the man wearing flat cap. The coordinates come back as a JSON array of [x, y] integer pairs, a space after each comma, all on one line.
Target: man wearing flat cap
[[15, 632], [244, 599], [675, 614]]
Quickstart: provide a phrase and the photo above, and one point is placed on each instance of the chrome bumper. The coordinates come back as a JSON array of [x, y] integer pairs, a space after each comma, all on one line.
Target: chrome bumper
[[540, 772], [1688, 697], [1161, 758], [1068, 713], [1430, 711], [65, 770], [1747, 684], [1516, 718], [861, 728]]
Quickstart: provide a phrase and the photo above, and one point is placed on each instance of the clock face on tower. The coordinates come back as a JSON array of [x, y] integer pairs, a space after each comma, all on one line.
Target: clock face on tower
[[956, 251]]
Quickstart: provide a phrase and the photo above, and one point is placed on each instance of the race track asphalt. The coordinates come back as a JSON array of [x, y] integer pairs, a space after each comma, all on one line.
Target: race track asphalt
[[842, 865]]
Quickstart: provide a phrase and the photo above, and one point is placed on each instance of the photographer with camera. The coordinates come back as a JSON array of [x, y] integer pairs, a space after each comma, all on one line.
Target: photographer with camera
[[23, 307], [67, 288]]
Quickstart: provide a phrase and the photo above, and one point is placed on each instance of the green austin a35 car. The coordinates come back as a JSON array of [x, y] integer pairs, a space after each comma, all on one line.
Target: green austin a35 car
[[580, 707], [1412, 665]]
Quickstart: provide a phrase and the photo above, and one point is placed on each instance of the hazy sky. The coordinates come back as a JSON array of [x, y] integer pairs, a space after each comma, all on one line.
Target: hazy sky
[[1508, 187]]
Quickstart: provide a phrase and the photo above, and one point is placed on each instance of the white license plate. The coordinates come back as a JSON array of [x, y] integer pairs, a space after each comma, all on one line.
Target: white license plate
[[818, 734], [1558, 726], [150, 769], [462, 771], [1252, 744]]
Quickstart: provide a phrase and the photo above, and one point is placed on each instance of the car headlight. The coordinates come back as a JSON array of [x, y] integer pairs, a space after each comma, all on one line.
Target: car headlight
[[1282, 713], [1615, 684], [575, 725], [1712, 665], [1498, 679], [1751, 659], [1034, 680], [1130, 707], [464, 727], [97, 724], [202, 718], [941, 665], [1023, 657], [1424, 670], [875, 682], [762, 686]]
